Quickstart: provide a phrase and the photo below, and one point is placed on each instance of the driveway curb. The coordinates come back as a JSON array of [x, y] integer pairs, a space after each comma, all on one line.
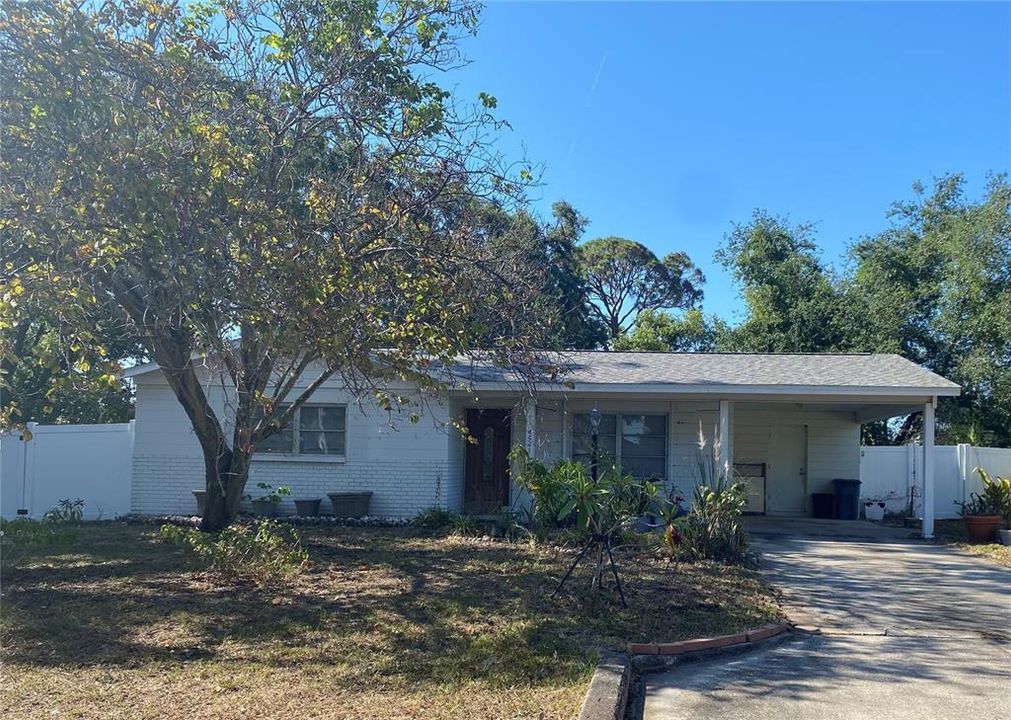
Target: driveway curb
[[607, 695], [718, 642]]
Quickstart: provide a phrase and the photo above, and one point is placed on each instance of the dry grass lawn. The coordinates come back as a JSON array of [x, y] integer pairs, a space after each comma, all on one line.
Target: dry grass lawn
[[390, 623]]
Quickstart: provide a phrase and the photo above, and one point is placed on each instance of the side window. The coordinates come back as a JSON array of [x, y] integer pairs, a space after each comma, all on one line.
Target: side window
[[321, 430], [315, 430], [635, 442], [644, 445]]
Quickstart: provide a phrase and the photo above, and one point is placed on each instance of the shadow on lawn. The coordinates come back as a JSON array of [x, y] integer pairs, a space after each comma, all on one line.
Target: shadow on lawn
[[378, 606]]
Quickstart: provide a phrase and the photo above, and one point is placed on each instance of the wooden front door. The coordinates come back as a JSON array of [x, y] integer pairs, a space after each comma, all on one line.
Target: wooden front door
[[486, 484]]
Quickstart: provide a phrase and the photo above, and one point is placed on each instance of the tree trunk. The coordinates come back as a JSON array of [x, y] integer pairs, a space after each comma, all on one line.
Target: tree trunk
[[226, 477]]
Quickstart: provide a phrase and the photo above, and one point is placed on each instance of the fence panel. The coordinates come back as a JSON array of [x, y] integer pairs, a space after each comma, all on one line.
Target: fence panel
[[996, 461], [899, 470], [884, 474], [91, 462]]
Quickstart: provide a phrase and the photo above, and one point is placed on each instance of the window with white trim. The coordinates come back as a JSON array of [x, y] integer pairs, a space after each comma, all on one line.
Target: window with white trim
[[636, 443], [314, 430]]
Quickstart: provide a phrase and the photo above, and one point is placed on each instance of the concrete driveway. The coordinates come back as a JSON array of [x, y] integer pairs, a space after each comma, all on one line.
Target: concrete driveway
[[904, 630]]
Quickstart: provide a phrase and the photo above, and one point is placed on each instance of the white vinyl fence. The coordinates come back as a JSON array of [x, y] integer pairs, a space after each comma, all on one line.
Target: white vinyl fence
[[895, 474], [90, 462]]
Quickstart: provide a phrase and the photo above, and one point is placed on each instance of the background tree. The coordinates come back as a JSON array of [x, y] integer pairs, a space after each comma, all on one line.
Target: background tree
[[792, 302], [936, 287], [49, 378], [658, 331], [563, 309], [273, 190], [581, 325], [624, 278]]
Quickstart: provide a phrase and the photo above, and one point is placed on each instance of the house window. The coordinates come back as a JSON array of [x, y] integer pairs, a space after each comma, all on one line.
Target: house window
[[636, 443], [582, 439], [315, 430]]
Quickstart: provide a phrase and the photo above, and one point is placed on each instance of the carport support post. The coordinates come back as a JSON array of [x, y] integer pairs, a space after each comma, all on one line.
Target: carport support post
[[928, 470]]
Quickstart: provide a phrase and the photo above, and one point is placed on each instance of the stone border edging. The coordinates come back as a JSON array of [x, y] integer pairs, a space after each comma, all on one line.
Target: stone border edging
[[714, 643], [607, 696]]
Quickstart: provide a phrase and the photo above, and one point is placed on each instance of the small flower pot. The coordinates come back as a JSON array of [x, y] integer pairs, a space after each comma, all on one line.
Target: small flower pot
[[982, 528], [201, 497], [874, 511], [350, 505], [1005, 537], [308, 508], [264, 508]]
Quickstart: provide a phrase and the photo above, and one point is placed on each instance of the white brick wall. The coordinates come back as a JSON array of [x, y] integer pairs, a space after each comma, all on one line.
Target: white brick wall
[[401, 488], [407, 466]]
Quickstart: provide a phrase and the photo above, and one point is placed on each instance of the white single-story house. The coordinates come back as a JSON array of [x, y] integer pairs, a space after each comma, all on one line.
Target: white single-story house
[[789, 422]]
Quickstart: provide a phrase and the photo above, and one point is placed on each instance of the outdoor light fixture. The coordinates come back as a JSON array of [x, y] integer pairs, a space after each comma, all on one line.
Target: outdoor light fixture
[[594, 427], [595, 418]]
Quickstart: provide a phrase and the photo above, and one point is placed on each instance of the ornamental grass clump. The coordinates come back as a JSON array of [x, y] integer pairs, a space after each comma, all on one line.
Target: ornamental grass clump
[[713, 528], [263, 553]]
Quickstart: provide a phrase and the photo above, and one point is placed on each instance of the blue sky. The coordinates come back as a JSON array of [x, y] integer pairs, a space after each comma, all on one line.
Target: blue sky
[[668, 122]]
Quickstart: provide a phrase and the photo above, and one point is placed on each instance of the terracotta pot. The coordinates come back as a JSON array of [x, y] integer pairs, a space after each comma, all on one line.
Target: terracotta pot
[[982, 528]]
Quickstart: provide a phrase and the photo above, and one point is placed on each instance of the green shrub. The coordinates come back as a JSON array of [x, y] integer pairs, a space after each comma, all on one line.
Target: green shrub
[[66, 511], [713, 528], [549, 487], [565, 495], [434, 518], [23, 539], [994, 500], [466, 526], [269, 493], [507, 525], [263, 553]]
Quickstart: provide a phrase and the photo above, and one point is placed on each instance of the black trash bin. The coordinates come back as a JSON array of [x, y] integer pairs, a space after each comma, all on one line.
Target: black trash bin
[[823, 505], [847, 499]]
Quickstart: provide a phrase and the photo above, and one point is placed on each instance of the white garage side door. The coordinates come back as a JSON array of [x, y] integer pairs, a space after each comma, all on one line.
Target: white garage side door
[[786, 483]]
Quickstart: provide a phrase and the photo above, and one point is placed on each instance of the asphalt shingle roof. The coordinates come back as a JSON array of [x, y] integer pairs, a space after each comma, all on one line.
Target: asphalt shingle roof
[[733, 369]]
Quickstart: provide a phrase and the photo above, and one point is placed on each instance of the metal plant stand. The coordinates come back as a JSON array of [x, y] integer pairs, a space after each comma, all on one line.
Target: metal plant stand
[[601, 542]]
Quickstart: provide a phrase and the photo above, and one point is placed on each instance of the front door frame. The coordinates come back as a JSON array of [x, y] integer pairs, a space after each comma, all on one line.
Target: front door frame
[[482, 494]]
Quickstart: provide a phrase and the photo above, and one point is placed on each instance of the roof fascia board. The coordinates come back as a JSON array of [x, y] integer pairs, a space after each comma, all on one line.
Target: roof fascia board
[[718, 389]]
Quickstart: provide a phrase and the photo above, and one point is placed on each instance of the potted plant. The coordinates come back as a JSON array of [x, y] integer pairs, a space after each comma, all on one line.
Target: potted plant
[[874, 509], [998, 490], [266, 502], [982, 511], [308, 507]]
